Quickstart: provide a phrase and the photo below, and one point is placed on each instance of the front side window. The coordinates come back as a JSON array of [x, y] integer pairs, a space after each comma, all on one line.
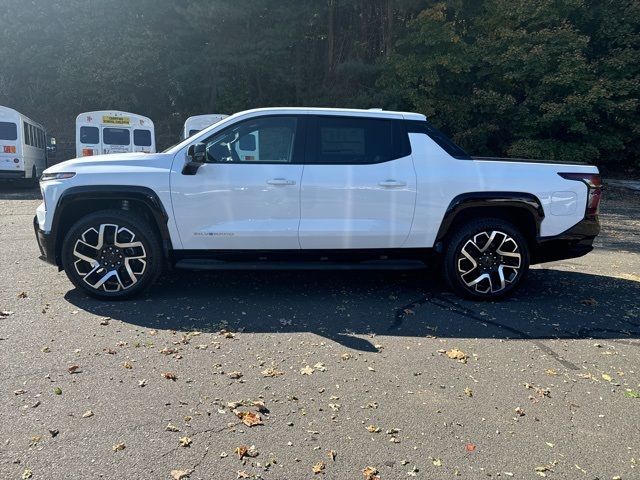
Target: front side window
[[116, 136], [90, 135], [354, 141], [265, 140], [142, 138], [8, 131]]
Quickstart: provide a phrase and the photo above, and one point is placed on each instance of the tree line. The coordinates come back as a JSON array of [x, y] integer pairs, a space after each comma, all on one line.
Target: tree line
[[555, 79]]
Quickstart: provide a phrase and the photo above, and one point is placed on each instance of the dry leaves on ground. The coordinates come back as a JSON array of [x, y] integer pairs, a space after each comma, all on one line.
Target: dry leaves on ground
[[250, 419], [456, 354], [169, 376], [308, 370], [272, 372], [185, 442], [318, 468], [180, 474], [119, 446], [371, 473]]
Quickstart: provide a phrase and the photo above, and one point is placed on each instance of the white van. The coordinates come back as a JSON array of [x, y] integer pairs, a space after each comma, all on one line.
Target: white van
[[110, 131], [23, 152]]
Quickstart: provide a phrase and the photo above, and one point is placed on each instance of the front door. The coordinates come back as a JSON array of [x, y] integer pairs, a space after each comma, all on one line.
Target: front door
[[359, 185], [247, 195]]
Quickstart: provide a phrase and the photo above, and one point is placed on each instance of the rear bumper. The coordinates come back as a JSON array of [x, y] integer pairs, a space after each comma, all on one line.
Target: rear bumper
[[573, 243], [46, 244], [12, 174]]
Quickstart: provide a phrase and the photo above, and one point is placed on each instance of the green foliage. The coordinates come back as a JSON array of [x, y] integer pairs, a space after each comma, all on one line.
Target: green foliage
[[551, 78]]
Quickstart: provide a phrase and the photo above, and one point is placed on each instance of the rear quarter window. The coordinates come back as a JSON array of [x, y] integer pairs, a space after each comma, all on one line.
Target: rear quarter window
[[8, 131], [440, 138]]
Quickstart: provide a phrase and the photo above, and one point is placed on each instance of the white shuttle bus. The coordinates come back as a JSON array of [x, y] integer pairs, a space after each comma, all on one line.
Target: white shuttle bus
[[109, 131], [23, 149], [199, 122]]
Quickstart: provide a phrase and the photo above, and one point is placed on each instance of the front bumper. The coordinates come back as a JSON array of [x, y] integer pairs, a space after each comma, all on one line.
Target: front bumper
[[573, 243], [46, 244]]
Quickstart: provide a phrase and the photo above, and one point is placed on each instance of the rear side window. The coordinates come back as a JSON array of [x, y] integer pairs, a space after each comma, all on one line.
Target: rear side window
[[357, 141], [116, 136], [440, 138], [8, 131], [89, 135], [193, 132]]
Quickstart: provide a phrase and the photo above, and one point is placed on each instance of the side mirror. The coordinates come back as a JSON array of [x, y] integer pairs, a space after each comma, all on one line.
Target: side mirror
[[51, 147], [196, 157]]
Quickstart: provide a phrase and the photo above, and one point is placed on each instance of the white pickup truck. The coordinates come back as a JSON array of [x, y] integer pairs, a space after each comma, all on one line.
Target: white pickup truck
[[324, 189]]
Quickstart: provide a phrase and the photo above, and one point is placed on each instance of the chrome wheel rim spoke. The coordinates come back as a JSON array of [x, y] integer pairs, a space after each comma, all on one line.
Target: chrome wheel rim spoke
[[109, 258], [489, 261]]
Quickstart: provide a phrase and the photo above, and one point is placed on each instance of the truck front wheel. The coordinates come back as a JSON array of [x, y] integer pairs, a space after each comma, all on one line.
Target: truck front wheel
[[486, 259], [112, 254]]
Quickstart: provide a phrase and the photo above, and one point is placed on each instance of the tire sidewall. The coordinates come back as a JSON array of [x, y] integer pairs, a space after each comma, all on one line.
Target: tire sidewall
[[143, 233], [457, 242]]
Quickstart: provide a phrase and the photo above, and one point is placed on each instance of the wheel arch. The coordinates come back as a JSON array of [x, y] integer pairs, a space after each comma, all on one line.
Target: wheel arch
[[524, 210], [77, 202]]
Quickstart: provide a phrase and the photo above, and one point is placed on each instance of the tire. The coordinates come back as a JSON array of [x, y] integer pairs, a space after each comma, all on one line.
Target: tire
[[112, 255], [486, 259]]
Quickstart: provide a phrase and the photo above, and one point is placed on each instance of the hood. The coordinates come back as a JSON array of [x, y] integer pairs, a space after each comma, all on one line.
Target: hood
[[110, 161]]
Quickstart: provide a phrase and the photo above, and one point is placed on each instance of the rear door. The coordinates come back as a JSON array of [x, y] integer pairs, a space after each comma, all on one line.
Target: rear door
[[9, 146], [116, 139], [359, 185]]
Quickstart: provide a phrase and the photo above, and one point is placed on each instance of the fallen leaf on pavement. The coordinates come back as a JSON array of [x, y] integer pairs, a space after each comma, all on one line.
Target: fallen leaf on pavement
[[272, 372], [632, 394], [185, 442], [5, 313], [169, 376], [332, 455], [57, 391], [19, 392], [370, 473], [318, 468], [606, 377], [180, 474], [234, 375], [87, 414], [519, 412], [73, 369], [119, 446], [592, 302], [468, 392], [373, 429], [436, 462], [171, 428], [128, 365], [27, 474], [469, 447], [306, 370], [456, 354], [249, 418], [242, 474]]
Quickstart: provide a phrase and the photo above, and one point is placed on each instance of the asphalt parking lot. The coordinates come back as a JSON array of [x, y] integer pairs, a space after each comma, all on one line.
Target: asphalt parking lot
[[346, 374]]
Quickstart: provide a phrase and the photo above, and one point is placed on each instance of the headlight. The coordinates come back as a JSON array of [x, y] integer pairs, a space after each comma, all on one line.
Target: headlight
[[56, 176]]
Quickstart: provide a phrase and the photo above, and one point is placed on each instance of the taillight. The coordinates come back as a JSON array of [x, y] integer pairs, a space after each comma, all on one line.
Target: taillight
[[9, 149], [87, 152], [593, 181]]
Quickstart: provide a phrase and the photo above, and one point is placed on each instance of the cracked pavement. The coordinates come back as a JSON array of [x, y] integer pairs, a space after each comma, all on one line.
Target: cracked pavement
[[350, 362]]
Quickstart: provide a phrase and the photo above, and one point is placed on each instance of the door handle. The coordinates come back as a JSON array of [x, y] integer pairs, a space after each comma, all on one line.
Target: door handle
[[280, 181], [392, 183]]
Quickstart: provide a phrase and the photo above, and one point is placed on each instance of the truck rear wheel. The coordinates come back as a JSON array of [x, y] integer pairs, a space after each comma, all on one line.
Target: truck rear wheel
[[112, 254], [486, 259]]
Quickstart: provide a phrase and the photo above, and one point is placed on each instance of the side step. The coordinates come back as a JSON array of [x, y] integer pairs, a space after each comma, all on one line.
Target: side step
[[209, 264]]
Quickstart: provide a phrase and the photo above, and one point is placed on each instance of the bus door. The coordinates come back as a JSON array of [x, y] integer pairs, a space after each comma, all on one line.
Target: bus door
[[116, 140], [9, 146]]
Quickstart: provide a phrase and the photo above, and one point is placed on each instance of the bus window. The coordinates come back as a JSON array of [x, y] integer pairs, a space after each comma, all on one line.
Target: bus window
[[116, 136], [90, 135], [142, 138], [8, 131]]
